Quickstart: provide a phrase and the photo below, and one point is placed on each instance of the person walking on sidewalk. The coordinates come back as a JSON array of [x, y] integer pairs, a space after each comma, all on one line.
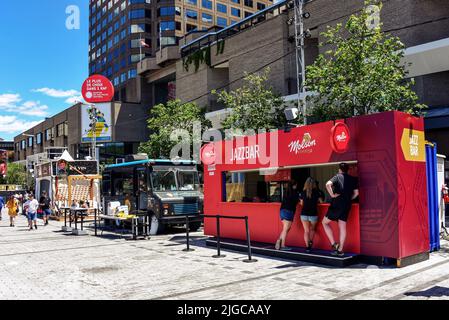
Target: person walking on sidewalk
[[2, 204], [13, 209], [31, 207], [342, 188], [44, 203]]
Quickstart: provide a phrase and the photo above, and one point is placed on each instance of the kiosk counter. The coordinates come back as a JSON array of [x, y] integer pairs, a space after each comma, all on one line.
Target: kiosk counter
[[247, 177]]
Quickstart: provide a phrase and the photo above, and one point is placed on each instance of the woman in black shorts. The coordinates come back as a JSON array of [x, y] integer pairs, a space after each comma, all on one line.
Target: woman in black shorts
[[287, 214]]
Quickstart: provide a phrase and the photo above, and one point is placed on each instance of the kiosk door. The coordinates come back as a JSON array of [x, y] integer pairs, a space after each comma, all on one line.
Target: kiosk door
[[142, 189]]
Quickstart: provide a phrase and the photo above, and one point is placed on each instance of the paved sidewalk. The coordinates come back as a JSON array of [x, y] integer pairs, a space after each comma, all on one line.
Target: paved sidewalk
[[48, 263]]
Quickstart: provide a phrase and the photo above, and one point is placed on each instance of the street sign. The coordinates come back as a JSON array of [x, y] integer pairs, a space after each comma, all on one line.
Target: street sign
[[97, 88]]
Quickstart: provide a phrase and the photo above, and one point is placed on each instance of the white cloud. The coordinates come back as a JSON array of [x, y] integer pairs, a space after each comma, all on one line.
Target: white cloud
[[71, 96], [13, 103], [74, 100], [12, 125], [7, 100], [55, 93]]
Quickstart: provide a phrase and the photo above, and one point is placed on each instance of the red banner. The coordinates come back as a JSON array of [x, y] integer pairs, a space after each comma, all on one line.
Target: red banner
[[97, 88]]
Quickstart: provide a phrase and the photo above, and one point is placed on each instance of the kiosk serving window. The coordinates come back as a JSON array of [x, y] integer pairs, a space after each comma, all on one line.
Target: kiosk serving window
[[270, 185]]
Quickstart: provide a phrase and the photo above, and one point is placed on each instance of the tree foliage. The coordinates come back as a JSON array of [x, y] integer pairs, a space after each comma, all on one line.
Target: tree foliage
[[360, 72], [254, 106], [164, 120], [16, 174]]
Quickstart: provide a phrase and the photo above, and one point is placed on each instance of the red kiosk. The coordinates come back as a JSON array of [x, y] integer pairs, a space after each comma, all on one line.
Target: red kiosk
[[246, 177]]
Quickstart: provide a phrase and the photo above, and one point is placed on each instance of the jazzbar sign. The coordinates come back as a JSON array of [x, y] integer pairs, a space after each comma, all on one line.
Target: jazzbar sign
[[413, 145]]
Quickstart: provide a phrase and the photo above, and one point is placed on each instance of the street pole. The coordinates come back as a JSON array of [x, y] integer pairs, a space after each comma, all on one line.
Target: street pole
[[300, 56], [94, 132]]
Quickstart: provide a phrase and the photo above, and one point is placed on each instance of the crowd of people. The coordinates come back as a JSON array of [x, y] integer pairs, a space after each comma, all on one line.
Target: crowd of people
[[343, 189], [29, 206]]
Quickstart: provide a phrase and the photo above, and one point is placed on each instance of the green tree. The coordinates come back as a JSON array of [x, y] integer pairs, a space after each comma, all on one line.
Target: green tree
[[254, 106], [361, 72], [16, 174], [164, 120]]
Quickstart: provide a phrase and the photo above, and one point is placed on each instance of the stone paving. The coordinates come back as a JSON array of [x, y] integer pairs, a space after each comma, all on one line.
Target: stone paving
[[49, 264]]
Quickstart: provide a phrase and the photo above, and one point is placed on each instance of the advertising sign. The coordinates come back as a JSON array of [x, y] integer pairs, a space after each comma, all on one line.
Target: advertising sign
[[82, 167], [97, 88], [101, 115]]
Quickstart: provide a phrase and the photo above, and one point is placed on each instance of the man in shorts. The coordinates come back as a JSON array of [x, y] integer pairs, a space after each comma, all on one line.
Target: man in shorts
[[31, 207], [342, 188], [44, 203]]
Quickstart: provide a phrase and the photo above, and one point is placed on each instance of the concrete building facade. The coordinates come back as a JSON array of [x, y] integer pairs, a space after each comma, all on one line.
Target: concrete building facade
[[267, 40]]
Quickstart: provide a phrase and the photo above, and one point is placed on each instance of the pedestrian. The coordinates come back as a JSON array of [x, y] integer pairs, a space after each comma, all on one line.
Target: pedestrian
[[342, 188], [31, 207], [13, 209], [45, 206], [316, 185], [310, 198], [2, 204], [287, 213], [445, 196]]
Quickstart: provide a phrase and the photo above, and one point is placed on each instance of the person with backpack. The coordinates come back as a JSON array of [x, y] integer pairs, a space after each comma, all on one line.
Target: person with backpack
[[342, 188], [44, 204]]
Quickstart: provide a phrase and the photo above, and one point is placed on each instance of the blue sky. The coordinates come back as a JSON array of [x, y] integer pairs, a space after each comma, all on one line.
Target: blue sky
[[42, 63]]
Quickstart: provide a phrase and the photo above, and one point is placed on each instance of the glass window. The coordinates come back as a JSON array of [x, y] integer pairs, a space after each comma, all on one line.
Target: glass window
[[123, 183], [235, 12], [132, 73], [163, 181], [222, 22], [39, 138], [30, 141], [188, 181], [261, 6], [236, 1], [222, 8], [207, 18], [166, 11], [167, 25], [192, 2], [248, 3], [137, 28], [206, 4], [137, 14], [192, 14]]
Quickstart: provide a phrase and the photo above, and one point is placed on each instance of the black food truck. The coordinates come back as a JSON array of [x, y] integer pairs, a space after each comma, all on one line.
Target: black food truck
[[168, 191]]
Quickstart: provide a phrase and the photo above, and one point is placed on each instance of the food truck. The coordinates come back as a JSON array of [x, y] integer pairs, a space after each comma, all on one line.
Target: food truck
[[246, 176], [168, 191]]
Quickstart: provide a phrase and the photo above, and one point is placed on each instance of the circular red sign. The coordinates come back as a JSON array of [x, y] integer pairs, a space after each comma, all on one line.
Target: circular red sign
[[340, 137], [97, 88], [208, 156]]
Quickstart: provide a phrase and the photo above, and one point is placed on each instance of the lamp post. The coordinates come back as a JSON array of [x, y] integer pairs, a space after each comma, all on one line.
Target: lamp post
[[34, 153]]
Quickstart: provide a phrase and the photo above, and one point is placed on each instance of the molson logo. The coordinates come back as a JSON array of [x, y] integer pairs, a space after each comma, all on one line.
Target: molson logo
[[342, 137], [304, 146]]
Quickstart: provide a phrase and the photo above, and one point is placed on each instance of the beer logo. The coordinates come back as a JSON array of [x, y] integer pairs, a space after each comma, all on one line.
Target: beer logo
[[302, 146], [340, 137]]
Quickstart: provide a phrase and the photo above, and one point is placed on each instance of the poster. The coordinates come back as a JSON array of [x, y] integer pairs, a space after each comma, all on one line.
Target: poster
[[101, 113]]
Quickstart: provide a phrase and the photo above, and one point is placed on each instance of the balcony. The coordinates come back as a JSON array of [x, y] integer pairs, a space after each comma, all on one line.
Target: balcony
[[146, 65], [167, 54]]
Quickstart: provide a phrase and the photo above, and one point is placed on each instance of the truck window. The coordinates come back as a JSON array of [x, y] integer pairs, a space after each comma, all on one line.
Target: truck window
[[164, 181], [188, 181], [123, 184]]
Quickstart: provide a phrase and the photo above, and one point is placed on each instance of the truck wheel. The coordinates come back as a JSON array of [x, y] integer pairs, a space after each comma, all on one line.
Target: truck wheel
[[156, 226], [195, 226]]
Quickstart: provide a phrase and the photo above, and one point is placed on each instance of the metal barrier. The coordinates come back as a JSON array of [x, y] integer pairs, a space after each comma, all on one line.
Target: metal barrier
[[218, 217]]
